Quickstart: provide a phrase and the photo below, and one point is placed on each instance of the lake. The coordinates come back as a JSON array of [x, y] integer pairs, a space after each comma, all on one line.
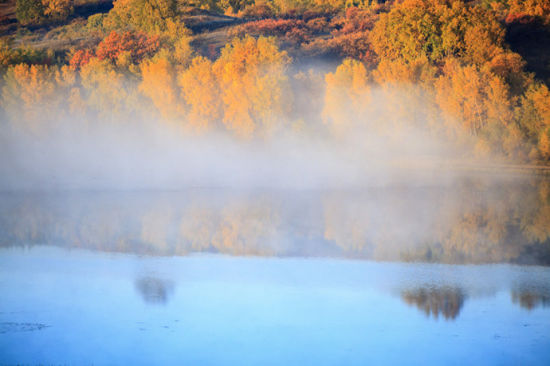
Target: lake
[[447, 274]]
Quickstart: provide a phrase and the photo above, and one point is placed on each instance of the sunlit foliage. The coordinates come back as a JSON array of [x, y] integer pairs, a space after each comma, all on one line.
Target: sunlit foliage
[[134, 46], [34, 95], [200, 90], [29, 11], [442, 66], [153, 16], [347, 93], [437, 29], [252, 76], [159, 84], [39, 11]]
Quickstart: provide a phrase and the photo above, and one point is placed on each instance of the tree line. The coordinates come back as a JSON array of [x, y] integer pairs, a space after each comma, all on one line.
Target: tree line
[[442, 66]]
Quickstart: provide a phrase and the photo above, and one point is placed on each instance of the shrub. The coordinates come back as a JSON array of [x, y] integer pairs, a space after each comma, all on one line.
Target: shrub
[[29, 11], [259, 11], [136, 45], [38, 11], [95, 22]]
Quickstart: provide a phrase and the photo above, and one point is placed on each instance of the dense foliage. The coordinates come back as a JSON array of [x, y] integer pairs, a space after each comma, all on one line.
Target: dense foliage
[[443, 66]]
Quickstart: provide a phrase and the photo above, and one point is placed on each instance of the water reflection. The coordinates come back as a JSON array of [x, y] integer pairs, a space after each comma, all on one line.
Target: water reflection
[[154, 290], [59, 306], [436, 301], [531, 298], [468, 222]]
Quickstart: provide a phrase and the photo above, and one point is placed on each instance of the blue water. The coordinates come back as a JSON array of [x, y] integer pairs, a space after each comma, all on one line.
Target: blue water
[[78, 307]]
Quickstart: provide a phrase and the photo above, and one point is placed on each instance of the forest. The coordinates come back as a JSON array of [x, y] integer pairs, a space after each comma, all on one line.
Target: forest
[[475, 74]]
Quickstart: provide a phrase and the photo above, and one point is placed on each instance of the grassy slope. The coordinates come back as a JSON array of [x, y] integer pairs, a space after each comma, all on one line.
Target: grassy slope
[[211, 31]]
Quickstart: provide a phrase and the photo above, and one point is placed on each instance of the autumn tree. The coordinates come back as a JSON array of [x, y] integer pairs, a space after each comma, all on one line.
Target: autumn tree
[[346, 95], [478, 102], [159, 84], [134, 45], [35, 96], [29, 11], [151, 16], [235, 5], [200, 90], [254, 86], [534, 119], [38, 11], [537, 8], [109, 92], [58, 9], [437, 29]]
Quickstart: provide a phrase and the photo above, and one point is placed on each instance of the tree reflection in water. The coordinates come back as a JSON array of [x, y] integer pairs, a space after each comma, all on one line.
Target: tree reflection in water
[[471, 221], [154, 290], [436, 301], [531, 298]]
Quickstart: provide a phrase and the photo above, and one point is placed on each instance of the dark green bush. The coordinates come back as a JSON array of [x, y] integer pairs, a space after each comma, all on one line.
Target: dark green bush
[[29, 11]]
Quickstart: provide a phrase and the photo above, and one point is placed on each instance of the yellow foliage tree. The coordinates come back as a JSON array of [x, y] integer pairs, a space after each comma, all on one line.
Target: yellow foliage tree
[[254, 85], [38, 91], [57, 9], [151, 16], [159, 84], [465, 92], [107, 90], [539, 8], [200, 91], [436, 29], [346, 95], [534, 118]]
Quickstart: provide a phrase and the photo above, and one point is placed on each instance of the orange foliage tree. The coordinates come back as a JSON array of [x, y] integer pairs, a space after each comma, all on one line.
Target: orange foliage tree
[[534, 118], [346, 95], [136, 45], [41, 92], [159, 84], [437, 29], [200, 91], [254, 85]]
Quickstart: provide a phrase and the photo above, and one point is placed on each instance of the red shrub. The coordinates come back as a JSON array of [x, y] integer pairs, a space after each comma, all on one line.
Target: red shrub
[[317, 25], [358, 20], [519, 18], [80, 58], [138, 44], [260, 11]]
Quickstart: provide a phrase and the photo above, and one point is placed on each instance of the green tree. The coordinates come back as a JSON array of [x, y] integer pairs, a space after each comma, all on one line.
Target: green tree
[[29, 11]]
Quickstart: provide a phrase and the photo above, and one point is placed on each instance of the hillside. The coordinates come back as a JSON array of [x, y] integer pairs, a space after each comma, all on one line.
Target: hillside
[[474, 74]]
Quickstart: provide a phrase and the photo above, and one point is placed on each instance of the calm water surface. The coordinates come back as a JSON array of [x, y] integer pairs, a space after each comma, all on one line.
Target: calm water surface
[[448, 275]]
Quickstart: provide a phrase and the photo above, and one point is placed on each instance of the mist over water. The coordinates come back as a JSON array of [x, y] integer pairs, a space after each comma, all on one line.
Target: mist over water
[[388, 142], [146, 156], [471, 221]]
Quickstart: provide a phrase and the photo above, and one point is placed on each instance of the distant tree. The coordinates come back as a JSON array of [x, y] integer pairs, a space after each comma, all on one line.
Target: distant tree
[[539, 8], [437, 29], [29, 11], [80, 58], [38, 11], [151, 16], [57, 9], [235, 5], [135, 44]]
